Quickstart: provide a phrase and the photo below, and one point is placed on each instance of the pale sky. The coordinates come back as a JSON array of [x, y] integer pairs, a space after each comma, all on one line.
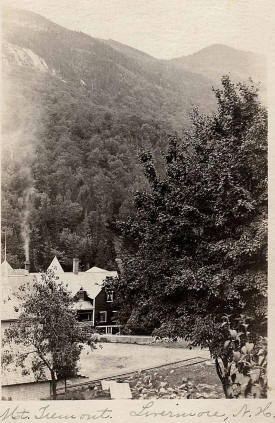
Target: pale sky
[[164, 28]]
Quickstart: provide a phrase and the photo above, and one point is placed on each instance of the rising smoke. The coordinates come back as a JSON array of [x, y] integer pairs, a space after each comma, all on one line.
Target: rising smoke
[[25, 220], [20, 137]]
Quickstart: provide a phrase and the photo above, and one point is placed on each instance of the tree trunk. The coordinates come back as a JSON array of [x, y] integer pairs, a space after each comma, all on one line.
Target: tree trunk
[[227, 389], [53, 384]]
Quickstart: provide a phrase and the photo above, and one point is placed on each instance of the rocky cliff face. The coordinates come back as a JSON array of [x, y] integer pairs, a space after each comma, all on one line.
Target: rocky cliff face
[[13, 55]]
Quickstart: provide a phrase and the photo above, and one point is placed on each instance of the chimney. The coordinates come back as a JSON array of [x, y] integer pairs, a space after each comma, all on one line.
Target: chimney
[[119, 265], [27, 265], [75, 265]]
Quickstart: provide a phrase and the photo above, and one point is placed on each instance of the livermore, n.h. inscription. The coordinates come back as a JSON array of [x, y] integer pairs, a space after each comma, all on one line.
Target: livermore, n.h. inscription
[[150, 410]]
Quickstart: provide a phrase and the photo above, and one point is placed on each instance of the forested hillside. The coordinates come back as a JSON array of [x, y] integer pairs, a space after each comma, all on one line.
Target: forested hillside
[[76, 111]]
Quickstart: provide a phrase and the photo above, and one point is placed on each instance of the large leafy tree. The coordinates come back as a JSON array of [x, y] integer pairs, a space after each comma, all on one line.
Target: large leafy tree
[[46, 339], [195, 254]]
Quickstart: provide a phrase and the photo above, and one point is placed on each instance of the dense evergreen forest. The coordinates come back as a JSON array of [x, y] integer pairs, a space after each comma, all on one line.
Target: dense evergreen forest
[[75, 175], [77, 111]]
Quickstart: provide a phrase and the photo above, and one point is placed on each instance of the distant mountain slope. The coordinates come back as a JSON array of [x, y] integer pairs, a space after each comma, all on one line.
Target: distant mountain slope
[[121, 77], [217, 60], [137, 55]]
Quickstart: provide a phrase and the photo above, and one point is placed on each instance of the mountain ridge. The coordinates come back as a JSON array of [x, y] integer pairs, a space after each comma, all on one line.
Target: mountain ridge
[[21, 17], [119, 76], [9, 12], [111, 77], [214, 59]]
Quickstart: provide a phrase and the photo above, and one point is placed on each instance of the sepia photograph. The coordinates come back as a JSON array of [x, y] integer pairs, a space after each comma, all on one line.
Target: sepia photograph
[[134, 200]]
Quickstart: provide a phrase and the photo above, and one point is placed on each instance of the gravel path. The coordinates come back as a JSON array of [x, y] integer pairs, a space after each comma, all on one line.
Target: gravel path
[[118, 359]]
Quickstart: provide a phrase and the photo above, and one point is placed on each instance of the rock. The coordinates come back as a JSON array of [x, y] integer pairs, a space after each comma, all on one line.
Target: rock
[[208, 387], [163, 384], [151, 392], [172, 371], [162, 391], [183, 386], [184, 380]]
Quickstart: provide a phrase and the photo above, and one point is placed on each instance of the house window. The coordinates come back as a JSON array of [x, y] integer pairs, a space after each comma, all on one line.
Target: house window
[[81, 294], [110, 296], [109, 330], [103, 316], [85, 316], [114, 316]]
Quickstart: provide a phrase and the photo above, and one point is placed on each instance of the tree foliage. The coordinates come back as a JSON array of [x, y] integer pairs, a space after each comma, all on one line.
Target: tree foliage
[[242, 368], [78, 161], [46, 339], [197, 249]]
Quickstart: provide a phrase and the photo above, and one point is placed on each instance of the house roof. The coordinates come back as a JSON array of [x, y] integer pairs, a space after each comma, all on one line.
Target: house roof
[[10, 284], [90, 281], [96, 270], [56, 266], [5, 268], [82, 305]]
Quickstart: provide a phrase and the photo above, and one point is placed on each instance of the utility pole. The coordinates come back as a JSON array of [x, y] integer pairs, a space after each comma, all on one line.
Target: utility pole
[[5, 244]]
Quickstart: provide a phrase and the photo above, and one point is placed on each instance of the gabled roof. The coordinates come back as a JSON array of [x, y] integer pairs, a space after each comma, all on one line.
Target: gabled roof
[[91, 282], [56, 266], [96, 270], [92, 285], [5, 268], [10, 284]]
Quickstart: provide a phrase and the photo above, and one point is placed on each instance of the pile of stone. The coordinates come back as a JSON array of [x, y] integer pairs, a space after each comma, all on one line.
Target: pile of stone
[[151, 385], [91, 391]]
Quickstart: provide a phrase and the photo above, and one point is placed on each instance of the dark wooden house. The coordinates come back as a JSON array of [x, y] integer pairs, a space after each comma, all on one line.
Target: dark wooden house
[[94, 303]]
